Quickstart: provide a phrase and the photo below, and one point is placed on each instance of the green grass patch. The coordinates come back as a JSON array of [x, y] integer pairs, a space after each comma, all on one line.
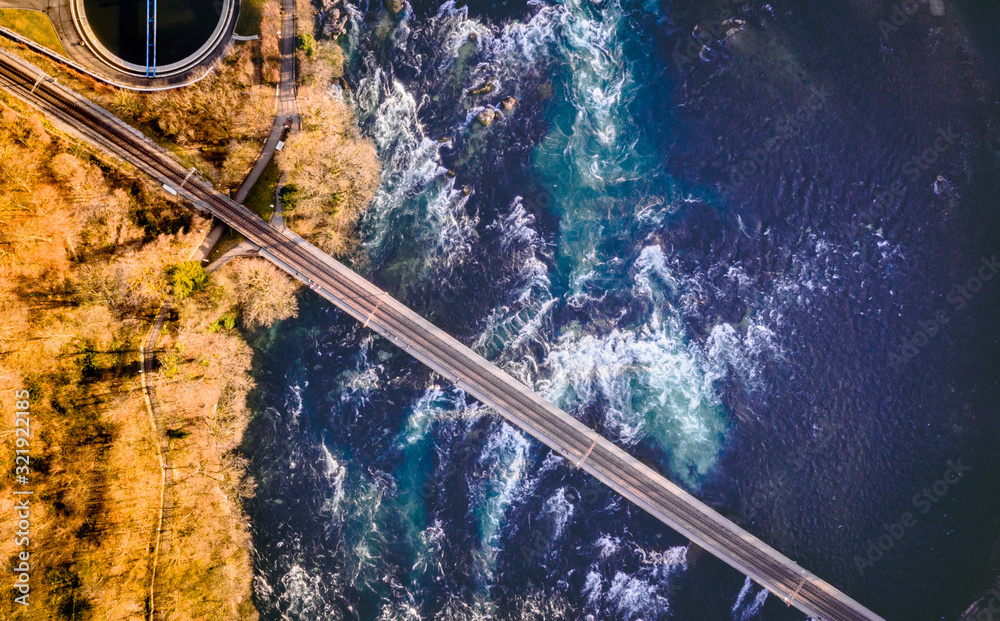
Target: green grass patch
[[229, 240], [36, 26], [261, 197], [251, 13]]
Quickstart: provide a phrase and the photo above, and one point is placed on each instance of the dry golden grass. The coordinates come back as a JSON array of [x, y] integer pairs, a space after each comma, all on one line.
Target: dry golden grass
[[84, 250], [32, 24], [200, 123], [227, 113], [225, 116], [205, 412]]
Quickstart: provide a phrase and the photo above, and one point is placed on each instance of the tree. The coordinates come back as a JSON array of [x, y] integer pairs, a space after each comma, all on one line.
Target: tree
[[332, 172], [265, 294], [188, 278], [306, 42]]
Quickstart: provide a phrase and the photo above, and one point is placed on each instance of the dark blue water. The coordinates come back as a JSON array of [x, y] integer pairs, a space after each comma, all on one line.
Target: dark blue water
[[182, 27], [760, 262]]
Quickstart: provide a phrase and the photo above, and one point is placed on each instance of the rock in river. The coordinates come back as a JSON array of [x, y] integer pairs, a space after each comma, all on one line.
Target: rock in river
[[487, 116]]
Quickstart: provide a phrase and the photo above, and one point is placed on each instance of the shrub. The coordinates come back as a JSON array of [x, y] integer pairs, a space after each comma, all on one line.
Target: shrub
[[187, 278], [306, 43], [265, 293], [227, 321], [287, 197]]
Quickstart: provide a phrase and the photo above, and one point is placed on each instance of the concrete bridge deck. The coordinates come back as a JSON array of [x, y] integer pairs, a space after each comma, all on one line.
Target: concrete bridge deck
[[581, 446]]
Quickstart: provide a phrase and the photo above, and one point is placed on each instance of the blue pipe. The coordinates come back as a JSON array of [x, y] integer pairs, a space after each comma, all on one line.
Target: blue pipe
[[151, 10]]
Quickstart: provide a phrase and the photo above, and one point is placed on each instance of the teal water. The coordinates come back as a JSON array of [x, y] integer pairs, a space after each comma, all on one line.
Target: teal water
[[681, 246]]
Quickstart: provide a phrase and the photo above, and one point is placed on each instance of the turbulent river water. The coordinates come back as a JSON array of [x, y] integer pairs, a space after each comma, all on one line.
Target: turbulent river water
[[757, 254]]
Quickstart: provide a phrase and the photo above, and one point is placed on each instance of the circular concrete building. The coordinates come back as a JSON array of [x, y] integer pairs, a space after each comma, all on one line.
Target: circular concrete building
[[154, 39]]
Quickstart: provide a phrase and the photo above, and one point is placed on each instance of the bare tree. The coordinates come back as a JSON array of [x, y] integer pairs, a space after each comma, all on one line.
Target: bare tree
[[265, 294]]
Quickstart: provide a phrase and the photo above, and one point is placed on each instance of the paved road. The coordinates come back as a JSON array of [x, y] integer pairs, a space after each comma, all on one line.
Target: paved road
[[287, 103], [286, 115], [579, 444], [286, 110]]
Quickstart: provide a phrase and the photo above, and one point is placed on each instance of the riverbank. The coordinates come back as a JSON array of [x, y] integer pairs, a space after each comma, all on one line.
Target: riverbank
[[96, 250], [331, 170]]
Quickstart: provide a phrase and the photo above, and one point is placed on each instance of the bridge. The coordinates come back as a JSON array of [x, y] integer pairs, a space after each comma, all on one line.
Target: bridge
[[583, 447]]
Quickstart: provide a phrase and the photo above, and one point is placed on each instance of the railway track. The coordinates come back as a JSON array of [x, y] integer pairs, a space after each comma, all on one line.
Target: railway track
[[579, 444]]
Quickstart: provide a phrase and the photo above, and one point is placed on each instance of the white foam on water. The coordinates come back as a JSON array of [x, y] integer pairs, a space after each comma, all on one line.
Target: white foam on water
[[654, 279], [459, 608], [505, 457], [745, 608], [513, 329], [438, 223], [433, 405], [607, 546], [650, 383], [741, 596], [294, 402], [593, 586], [431, 553], [335, 473], [634, 598], [561, 510], [362, 518], [300, 597], [644, 594], [648, 379], [674, 558]]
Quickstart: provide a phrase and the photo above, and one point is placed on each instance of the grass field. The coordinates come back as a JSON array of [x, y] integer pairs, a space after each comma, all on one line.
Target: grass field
[[261, 196], [34, 25], [250, 15], [229, 240]]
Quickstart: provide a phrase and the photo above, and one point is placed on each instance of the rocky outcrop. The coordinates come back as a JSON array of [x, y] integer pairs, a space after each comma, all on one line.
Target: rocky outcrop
[[482, 89], [733, 25], [487, 116], [331, 20]]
